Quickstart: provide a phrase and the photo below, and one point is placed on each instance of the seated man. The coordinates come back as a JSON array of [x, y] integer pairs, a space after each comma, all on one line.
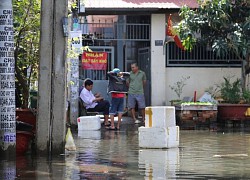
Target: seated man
[[94, 103]]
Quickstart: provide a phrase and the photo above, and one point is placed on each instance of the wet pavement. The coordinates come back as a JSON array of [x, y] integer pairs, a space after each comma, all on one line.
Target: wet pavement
[[104, 154]]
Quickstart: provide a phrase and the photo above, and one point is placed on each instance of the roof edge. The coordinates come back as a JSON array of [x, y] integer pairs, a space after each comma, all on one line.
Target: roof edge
[[123, 11]]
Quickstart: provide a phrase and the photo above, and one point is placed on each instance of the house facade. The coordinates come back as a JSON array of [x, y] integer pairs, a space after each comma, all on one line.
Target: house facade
[[135, 31]]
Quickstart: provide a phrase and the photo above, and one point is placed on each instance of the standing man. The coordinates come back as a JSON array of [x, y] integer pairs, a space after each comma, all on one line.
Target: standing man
[[136, 82], [94, 103]]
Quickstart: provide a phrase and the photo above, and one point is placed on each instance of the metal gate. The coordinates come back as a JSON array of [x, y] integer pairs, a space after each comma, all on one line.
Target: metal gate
[[144, 63]]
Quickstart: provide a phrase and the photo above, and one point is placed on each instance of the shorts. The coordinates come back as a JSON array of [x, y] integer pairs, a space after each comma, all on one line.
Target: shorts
[[117, 106], [139, 98]]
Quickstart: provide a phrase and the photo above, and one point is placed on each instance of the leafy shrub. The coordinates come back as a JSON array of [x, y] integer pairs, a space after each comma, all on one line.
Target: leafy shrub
[[231, 92], [178, 86]]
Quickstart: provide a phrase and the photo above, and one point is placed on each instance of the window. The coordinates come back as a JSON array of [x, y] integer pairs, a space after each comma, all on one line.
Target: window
[[200, 56]]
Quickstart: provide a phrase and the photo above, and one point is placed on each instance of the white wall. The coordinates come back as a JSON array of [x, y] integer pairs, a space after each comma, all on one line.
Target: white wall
[[200, 79], [158, 60], [162, 77]]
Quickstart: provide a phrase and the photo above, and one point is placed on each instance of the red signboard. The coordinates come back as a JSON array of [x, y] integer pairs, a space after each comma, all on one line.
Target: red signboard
[[94, 60]]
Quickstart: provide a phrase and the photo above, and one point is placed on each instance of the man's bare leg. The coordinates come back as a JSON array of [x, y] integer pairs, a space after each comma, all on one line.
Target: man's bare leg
[[119, 120], [106, 119], [133, 113], [112, 122], [143, 114]]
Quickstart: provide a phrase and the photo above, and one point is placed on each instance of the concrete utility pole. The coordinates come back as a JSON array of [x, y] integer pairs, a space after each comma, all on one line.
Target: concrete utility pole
[[7, 83], [51, 121]]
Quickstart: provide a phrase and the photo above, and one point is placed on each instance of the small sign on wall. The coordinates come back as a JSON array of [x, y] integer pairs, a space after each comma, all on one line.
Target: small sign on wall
[[158, 42]]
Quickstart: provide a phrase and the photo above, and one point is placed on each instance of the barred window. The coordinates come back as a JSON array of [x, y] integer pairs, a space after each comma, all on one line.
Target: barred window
[[200, 56]]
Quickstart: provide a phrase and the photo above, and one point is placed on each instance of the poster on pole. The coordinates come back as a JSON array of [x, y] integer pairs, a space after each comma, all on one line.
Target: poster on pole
[[94, 60], [7, 76], [76, 41]]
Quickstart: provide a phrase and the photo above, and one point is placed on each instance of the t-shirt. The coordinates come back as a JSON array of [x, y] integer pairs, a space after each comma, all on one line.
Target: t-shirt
[[88, 97], [136, 82], [117, 95]]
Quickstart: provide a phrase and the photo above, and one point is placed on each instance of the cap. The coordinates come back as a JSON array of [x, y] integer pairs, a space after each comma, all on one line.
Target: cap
[[116, 70]]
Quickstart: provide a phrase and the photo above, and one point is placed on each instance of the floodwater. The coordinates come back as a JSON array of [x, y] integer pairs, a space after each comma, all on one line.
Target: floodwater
[[104, 154]]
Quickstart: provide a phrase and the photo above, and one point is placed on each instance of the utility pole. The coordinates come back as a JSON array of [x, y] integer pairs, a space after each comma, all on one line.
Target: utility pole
[[7, 83], [76, 49], [51, 121]]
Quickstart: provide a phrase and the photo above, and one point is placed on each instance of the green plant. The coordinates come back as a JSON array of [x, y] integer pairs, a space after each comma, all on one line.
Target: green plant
[[246, 96], [213, 91], [231, 91], [26, 22], [223, 24], [178, 86]]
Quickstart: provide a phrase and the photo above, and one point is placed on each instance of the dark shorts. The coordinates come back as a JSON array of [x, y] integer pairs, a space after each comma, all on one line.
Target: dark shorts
[[139, 98], [117, 106], [102, 106]]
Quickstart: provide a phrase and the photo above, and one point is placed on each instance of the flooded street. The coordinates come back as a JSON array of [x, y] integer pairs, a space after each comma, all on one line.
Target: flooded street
[[115, 155]]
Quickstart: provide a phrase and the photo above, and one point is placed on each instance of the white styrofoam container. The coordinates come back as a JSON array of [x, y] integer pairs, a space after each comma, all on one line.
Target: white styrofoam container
[[163, 163], [89, 123], [155, 137], [83, 134], [160, 116]]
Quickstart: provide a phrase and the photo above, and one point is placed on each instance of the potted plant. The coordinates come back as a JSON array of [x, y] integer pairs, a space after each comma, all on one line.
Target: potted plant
[[26, 23], [246, 96], [230, 91], [178, 88], [235, 101]]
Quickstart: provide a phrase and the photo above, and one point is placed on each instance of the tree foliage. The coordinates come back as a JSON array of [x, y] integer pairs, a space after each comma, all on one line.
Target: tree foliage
[[26, 21], [224, 25]]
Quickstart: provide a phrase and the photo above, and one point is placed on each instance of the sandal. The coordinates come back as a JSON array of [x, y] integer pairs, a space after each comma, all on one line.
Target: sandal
[[112, 129], [107, 125]]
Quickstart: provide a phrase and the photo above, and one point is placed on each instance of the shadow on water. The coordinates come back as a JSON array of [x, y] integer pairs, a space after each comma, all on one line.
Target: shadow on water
[[104, 154]]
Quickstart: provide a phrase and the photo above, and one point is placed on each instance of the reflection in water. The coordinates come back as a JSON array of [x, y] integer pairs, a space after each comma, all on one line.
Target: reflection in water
[[7, 170], [105, 158], [29, 167], [159, 164], [89, 134], [115, 155], [198, 150], [72, 168]]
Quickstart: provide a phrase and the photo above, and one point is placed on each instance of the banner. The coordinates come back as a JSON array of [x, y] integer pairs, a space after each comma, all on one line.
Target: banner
[[94, 60], [171, 32]]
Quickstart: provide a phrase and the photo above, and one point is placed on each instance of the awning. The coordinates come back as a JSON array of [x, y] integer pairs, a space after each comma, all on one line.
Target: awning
[[116, 6]]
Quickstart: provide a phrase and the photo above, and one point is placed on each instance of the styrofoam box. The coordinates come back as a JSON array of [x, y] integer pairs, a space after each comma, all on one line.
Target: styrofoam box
[[161, 116], [89, 123], [89, 134], [155, 137], [161, 162]]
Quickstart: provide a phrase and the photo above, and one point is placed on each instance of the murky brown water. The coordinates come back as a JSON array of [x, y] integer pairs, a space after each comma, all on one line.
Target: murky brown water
[[116, 155]]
